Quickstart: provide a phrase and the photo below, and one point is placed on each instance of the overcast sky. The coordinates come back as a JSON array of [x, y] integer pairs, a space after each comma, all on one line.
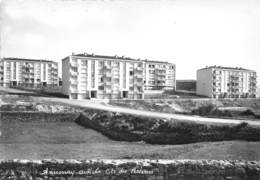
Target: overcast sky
[[189, 33]]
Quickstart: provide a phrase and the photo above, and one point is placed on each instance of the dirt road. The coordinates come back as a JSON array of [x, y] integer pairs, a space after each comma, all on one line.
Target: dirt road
[[103, 106]]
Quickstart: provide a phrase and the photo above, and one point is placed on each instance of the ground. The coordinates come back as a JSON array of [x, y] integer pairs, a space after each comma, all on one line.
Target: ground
[[66, 140]]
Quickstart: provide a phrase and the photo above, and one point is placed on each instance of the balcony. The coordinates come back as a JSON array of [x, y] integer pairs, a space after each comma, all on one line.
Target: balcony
[[107, 67], [159, 73], [139, 76], [108, 91], [108, 74], [138, 68], [136, 83], [107, 83], [74, 82]]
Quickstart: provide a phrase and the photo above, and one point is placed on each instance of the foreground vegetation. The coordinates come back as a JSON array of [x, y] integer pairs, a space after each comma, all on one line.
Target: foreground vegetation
[[158, 131]]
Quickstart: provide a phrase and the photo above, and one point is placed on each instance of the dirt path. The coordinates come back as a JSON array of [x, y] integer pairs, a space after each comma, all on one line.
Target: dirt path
[[102, 106]]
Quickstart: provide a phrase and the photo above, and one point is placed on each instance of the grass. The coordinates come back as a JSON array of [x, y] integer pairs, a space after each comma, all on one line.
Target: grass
[[68, 140]]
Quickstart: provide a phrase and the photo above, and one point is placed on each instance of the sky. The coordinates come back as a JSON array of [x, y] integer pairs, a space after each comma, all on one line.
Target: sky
[[190, 33]]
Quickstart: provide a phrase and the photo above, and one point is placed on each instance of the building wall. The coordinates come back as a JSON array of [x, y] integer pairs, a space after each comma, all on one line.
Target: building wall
[[159, 76], [226, 83], [204, 82], [20, 72], [91, 77], [66, 76], [1, 73]]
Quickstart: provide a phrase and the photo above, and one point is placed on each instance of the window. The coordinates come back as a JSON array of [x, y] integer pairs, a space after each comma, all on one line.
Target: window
[[131, 73], [101, 63], [101, 88], [75, 69]]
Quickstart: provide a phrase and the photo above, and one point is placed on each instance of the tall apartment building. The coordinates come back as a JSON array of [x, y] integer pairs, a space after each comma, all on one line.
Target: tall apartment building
[[29, 72], [103, 77], [159, 75], [226, 82], [108, 77]]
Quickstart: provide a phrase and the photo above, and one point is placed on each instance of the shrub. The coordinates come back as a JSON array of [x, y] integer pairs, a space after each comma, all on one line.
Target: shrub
[[124, 127], [204, 110], [247, 112]]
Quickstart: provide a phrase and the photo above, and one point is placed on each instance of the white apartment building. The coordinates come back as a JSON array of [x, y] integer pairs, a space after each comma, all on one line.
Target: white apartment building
[[87, 76], [226, 82], [103, 77], [29, 72], [159, 75]]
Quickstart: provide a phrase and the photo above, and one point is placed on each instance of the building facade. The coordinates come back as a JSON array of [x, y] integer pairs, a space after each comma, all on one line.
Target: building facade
[[1, 73], [226, 82], [19, 72], [159, 75], [87, 76]]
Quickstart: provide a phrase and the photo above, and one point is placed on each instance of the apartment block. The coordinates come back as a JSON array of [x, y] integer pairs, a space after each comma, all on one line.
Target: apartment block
[[226, 82], [29, 72], [159, 75], [103, 77], [87, 76]]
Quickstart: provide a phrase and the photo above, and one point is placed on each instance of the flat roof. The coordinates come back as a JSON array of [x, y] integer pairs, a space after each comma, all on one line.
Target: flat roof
[[116, 58], [227, 68], [25, 59]]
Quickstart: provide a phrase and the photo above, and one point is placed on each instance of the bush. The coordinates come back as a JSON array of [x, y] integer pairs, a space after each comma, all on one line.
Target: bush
[[157, 131], [247, 112], [204, 110]]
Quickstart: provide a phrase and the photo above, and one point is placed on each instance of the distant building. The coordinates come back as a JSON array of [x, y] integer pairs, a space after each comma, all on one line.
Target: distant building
[[28, 72], [226, 82], [186, 85], [112, 77]]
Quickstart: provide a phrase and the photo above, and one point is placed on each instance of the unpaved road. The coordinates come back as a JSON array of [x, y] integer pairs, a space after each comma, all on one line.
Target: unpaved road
[[103, 106]]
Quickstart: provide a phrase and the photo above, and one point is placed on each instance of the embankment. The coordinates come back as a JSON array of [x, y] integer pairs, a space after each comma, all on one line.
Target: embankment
[[11, 116], [124, 127], [131, 169]]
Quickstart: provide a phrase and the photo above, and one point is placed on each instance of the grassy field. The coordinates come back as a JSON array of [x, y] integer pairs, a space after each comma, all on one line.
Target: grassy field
[[65, 140]]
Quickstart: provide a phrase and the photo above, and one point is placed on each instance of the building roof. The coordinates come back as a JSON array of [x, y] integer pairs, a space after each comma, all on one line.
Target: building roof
[[116, 57], [226, 68], [25, 59]]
